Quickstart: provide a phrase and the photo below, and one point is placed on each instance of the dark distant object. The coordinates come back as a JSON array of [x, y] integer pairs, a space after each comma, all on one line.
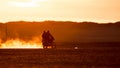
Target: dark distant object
[[48, 40]]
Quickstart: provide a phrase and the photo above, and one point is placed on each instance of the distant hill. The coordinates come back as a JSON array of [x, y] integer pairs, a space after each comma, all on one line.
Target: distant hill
[[63, 31]]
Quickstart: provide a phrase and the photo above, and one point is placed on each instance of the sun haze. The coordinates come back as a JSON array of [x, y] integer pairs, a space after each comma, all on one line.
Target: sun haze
[[31, 3], [22, 4], [73, 10]]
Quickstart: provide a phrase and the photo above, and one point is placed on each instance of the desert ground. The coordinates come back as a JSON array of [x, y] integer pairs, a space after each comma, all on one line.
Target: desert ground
[[82, 57]]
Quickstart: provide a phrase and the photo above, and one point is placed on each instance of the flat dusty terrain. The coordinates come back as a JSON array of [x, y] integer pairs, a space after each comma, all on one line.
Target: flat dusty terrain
[[102, 57]]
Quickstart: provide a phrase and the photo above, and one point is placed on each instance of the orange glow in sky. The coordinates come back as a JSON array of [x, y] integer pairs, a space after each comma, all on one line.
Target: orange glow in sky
[[72, 10], [22, 4]]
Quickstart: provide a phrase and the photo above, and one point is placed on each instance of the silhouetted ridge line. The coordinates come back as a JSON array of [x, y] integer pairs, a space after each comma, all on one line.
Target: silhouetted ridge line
[[63, 31]]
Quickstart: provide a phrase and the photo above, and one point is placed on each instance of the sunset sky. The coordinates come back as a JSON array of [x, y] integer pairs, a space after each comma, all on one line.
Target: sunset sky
[[73, 10]]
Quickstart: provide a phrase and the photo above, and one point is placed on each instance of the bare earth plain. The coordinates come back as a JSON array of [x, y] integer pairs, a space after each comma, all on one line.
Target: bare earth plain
[[92, 57]]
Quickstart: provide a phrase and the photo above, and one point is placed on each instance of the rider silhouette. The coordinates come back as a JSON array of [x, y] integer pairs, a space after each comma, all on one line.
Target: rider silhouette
[[47, 38]]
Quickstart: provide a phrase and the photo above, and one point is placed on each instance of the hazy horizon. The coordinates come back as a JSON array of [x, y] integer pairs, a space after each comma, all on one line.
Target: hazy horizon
[[102, 11], [28, 21]]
